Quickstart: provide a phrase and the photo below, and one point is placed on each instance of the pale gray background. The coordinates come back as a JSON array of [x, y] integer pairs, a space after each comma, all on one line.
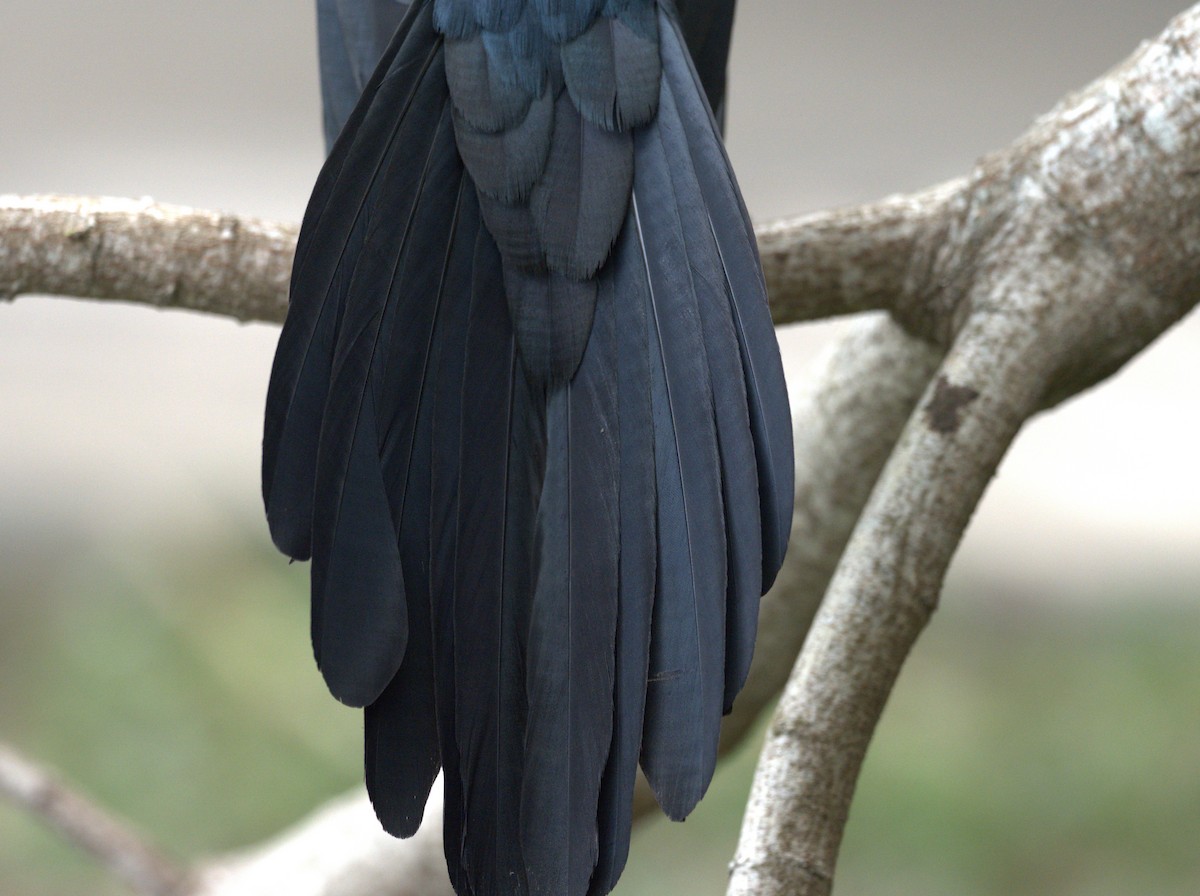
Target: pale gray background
[[115, 420]]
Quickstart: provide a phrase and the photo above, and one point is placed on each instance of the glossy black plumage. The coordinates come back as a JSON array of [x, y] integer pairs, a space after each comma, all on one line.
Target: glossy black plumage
[[527, 415]]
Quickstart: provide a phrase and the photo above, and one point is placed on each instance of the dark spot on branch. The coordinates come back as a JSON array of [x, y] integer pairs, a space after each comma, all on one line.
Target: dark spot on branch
[[946, 406]]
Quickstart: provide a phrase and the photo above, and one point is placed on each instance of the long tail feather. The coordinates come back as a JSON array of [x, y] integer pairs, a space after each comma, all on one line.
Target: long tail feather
[[707, 26], [358, 611], [770, 416], [500, 474], [352, 36], [683, 702], [573, 624], [739, 474], [627, 287], [401, 736], [448, 436], [334, 226]]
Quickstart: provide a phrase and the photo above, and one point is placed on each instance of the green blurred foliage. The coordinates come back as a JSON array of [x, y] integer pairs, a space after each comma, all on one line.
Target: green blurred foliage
[[1028, 749], [175, 685]]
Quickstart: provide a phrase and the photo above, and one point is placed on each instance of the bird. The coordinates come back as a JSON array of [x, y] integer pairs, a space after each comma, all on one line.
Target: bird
[[527, 418]]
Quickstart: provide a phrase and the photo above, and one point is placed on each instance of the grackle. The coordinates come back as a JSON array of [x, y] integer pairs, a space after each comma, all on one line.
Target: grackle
[[527, 416]]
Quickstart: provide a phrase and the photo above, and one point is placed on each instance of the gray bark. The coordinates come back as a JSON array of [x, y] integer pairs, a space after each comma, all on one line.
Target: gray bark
[[1056, 262]]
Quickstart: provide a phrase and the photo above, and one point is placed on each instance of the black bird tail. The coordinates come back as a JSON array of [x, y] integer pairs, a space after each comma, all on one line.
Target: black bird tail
[[533, 582]]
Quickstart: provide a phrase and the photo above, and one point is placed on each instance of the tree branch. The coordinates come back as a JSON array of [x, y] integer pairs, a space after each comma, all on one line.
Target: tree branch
[[1063, 257], [881, 597], [849, 260], [340, 850], [819, 265], [142, 251], [127, 853]]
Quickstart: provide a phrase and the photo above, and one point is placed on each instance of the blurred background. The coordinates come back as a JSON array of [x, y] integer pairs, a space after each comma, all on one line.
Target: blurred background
[[1044, 736]]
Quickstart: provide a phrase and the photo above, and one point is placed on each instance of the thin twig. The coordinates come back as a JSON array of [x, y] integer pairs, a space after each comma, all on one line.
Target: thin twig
[[127, 853]]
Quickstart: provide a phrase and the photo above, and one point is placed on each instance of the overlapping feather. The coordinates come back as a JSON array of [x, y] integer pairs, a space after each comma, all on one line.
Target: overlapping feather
[[554, 462], [573, 621], [625, 285], [401, 733], [546, 94], [368, 432], [738, 464], [770, 417], [500, 463], [300, 374]]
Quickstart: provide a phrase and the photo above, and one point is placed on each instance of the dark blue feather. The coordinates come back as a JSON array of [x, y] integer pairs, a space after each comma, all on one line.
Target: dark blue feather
[[401, 735], [552, 316], [511, 225], [520, 56], [686, 684], [505, 164], [352, 36], [538, 429], [456, 18], [707, 27], [334, 223], [562, 20], [580, 197], [573, 622], [625, 285], [612, 72], [770, 415], [486, 93], [449, 360], [500, 466], [566, 167], [499, 15], [739, 476], [361, 630]]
